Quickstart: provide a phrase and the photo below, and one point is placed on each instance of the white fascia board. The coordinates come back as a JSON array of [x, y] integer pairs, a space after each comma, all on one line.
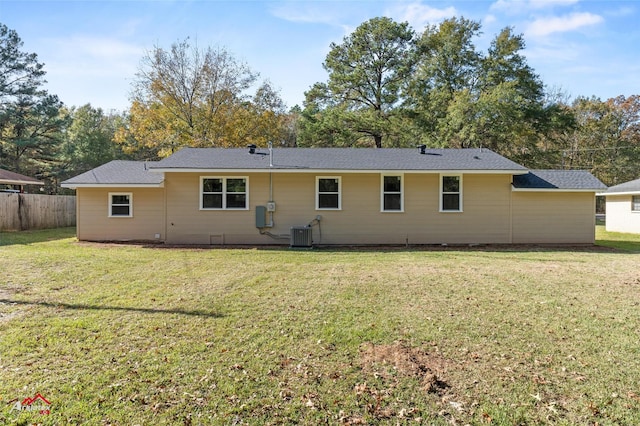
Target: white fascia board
[[606, 194], [112, 185], [343, 171]]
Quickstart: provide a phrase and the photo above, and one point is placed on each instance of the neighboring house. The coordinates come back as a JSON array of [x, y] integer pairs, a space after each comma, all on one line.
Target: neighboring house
[[14, 182], [623, 207], [343, 196]]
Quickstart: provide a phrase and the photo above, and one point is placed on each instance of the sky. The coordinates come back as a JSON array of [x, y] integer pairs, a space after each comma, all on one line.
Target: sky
[[92, 49]]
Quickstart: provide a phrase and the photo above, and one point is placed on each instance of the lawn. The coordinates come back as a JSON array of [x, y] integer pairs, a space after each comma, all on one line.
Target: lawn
[[124, 335]]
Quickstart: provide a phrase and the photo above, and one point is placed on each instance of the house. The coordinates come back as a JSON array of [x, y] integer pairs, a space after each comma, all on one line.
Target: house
[[9, 181], [334, 196], [623, 207]]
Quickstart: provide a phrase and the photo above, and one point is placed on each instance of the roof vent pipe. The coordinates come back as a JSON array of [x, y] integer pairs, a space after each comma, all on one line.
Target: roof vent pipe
[[270, 154], [423, 149], [252, 149]]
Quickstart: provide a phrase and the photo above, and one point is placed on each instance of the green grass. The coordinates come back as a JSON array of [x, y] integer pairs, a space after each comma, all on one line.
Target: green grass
[[618, 240], [119, 334]]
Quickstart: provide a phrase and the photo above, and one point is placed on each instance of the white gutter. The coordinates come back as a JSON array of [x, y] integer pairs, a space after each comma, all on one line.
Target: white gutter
[[20, 182], [112, 185], [605, 194], [308, 170], [553, 190]]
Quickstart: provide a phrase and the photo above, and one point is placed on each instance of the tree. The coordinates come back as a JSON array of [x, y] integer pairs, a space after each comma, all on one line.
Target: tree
[[31, 120], [463, 98], [366, 76], [20, 73], [21, 76], [186, 96], [89, 140], [32, 137], [606, 139], [447, 65]]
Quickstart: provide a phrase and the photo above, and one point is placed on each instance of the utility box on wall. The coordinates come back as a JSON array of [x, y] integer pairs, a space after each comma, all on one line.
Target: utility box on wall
[[261, 217]]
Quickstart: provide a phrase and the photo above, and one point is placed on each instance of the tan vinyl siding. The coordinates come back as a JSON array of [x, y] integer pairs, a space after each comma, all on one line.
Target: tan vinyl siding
[[620, 217], [554, 218], [485, 218], [94, 223]]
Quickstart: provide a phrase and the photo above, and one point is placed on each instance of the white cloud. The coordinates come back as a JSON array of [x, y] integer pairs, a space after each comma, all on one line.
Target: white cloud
[[86, 69], [519, 6], [419, 15], [621, 12], [306, 12], [543, 4], [489, 19], [97, 47], [545, 26]]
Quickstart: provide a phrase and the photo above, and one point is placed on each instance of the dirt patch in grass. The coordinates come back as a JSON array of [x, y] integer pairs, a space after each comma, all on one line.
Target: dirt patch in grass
[[399, 359]]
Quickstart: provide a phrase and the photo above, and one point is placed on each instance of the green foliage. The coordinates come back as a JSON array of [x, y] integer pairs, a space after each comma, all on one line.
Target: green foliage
[[389, 87], [463, 98], [607, 140], [186, 96], [31, 120], [367, 72], [20, 73], [88, 141]]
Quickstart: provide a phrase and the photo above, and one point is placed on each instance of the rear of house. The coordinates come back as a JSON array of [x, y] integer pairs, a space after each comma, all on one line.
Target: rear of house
[[333, 196]]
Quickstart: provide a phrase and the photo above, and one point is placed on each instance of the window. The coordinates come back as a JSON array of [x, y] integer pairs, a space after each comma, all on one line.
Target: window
[[328, 193], [635, 203], [392, 200], [120, 204], [451, 193], [223, 193]]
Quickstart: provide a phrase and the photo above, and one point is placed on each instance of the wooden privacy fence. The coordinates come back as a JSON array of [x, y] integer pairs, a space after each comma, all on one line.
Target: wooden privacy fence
[[19, 212]]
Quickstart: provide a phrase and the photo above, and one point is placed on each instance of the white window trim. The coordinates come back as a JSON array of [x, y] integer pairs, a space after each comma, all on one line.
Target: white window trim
[[339, 178], [111, 195], [460, 193], [382, 192], [224, 193], [632, 203]]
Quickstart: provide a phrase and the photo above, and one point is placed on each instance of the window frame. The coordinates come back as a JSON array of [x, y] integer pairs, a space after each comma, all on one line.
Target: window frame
[[224, 193], [635, 203], [111, 204], [338, 193], [459, 193], [383, 192]]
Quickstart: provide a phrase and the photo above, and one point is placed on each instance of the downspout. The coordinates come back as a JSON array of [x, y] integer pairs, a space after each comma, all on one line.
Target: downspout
[[511, 211], [270, 198], [166, 218], [270, 182], [78, 232]]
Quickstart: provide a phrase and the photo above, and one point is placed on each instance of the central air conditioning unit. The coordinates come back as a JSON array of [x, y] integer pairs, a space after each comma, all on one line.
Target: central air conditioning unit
[[301, 236]]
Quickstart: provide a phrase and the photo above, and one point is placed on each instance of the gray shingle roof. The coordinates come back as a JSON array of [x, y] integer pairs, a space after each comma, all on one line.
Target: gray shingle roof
[[401, 159], [558, 179], [118, 172], [123, 173], [631, 186]]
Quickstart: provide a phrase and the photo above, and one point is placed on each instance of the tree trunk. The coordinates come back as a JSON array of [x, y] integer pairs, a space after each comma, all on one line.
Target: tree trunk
[[378, 140]]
